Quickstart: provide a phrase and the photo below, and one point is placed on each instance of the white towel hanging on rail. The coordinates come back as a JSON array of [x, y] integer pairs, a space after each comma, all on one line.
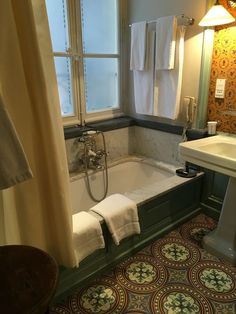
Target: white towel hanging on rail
[[166, 28], [144, 81], [168, 83], [138, 46]]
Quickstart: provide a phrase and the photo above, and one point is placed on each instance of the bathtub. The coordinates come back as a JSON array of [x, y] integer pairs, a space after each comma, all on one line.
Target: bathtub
[[140, 179], [164, 201]]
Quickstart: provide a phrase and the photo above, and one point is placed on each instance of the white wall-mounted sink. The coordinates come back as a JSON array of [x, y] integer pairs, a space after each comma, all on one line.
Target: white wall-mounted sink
[[218, 153]]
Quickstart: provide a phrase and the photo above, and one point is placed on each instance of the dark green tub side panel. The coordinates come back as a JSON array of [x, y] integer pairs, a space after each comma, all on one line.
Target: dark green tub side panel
[[213, 191], [157, 217]]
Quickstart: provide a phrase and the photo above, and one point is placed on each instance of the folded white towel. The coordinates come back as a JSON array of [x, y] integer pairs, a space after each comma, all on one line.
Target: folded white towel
[[165, 42], [144, 81], [14, 167], [138, 46], [121, 216], [87, 235], [168, 84]]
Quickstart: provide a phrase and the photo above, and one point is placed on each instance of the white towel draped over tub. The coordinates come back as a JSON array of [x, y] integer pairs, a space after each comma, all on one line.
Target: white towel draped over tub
[[87, 235], [14, 167], [168, 83], [121, 216]]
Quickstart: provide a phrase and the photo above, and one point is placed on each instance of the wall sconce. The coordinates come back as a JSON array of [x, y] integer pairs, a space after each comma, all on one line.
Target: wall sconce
[[232, 3], [217, 15]]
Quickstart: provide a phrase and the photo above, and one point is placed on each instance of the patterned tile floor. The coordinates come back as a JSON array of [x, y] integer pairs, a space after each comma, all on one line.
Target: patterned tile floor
[[172, 275]]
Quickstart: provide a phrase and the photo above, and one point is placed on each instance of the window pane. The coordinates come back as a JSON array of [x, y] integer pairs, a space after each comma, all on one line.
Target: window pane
[[63, 72], [99, 26], [101, 83], [57, 16]]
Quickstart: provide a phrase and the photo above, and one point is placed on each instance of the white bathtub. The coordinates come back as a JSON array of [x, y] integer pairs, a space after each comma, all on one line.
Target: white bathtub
[[137, 178]]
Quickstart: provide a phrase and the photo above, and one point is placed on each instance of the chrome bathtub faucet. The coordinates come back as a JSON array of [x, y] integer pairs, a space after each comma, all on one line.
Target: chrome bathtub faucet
[[92, 157]]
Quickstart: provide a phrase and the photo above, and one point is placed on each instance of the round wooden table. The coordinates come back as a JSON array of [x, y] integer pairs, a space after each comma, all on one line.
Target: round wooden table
[[28, 279]]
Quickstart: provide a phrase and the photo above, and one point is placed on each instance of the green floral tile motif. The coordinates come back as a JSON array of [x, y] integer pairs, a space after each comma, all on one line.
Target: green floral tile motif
[[182, 303], [221, 308], [195, 231], [175, 252], [179, 276], [138, 303], [141, 272], [216, 280], [179, 299], [98, 299], [198, 233]]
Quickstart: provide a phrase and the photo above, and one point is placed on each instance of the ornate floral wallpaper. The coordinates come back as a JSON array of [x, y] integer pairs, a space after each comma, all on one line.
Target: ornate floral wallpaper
[[224, 67]]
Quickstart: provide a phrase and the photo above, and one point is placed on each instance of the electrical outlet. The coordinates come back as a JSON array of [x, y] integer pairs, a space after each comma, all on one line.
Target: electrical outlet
[[220, 88]]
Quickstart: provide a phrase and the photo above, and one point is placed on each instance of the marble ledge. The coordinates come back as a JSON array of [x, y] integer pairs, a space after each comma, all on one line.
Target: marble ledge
[[149, 192]]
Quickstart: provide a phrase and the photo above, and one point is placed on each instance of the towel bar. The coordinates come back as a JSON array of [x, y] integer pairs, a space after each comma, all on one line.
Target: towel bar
[[185, 20]]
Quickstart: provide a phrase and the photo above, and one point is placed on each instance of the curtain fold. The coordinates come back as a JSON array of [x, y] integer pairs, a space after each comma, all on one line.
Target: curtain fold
[[36, 212]]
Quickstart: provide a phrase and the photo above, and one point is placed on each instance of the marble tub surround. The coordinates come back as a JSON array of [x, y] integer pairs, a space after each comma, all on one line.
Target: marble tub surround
[[118, 144], [74, 149], [158, 145], [133, 140]]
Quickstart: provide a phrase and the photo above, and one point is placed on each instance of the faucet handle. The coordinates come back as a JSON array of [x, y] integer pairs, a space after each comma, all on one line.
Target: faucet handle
[[92, 153], [101, 153]]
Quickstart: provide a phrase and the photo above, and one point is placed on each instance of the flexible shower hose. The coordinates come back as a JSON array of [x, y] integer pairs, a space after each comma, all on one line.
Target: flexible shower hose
[[106, 172]]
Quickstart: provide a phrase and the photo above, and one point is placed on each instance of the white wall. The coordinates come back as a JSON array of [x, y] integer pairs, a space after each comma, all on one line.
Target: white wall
[[139, 10]]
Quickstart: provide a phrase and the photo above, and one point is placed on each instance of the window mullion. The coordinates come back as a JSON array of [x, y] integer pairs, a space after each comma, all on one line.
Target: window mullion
[[78, 57], [100, 55], [73, 53]]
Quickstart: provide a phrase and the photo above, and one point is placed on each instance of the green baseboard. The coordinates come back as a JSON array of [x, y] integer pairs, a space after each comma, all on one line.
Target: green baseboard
[[211, 211]]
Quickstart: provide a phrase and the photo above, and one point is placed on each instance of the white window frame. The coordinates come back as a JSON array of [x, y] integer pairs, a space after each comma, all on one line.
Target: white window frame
[[75, 53]]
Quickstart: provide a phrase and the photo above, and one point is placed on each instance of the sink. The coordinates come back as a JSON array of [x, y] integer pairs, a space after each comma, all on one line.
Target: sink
[[224, 149], [218, 153]]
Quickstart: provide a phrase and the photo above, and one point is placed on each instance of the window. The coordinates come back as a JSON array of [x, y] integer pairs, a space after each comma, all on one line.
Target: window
[[86, 44]]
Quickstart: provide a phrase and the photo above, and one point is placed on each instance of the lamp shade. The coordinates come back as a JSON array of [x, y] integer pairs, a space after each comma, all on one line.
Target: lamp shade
[[217, 15]]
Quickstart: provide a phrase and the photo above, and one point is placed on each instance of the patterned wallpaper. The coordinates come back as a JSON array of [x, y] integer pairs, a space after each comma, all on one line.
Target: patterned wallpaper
[[224, 66]]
